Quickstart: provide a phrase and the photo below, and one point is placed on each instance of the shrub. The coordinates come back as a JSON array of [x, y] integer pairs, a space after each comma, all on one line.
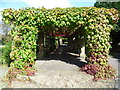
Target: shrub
[[6, 53], [99, 72]]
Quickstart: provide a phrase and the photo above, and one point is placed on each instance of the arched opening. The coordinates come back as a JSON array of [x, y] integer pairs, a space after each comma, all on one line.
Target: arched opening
[[67, 48]]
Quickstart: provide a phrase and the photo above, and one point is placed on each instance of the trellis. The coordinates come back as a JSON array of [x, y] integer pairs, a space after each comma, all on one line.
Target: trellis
[[96, 23]]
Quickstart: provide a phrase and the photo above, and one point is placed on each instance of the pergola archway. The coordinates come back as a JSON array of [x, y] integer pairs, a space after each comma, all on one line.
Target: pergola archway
[[49, 43], [95, 23]]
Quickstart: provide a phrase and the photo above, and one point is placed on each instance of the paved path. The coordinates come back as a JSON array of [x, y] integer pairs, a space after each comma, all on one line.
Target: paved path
[[115, 62], [61, 70]]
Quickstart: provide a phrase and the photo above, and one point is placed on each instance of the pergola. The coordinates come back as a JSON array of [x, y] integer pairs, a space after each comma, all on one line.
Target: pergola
[[94, 24]]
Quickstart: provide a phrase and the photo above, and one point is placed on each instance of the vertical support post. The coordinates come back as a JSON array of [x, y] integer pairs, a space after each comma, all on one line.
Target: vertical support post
[[82, 47], [70, 40], [60, 39], [56, 42], [41, 45], [82, 53]]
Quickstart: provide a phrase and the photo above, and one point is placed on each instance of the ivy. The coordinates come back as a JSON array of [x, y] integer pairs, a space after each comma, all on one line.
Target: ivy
[[109, 5], [96, 22]]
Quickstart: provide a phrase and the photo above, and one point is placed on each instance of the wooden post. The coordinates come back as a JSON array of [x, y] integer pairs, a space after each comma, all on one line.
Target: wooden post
[[82, 53], [82, 48], [60, 41], [40, 45], [70, 40]]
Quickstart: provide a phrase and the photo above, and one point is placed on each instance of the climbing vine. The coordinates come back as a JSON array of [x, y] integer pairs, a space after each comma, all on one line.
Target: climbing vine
[[96, 22], [23, 46], [109, 5], [116, 33]]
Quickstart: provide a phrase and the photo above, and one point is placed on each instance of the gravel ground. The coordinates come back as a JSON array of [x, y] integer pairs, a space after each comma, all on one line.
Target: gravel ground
[[57, 74], [61, 71], [3, 71], [115, 62]]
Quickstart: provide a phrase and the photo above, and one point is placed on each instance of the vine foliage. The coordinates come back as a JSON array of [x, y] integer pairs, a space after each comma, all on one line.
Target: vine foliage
[[96, 22], [109, 5]]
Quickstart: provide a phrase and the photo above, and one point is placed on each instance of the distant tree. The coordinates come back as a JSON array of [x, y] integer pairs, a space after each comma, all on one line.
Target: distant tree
[[4, 29], [108, 5]]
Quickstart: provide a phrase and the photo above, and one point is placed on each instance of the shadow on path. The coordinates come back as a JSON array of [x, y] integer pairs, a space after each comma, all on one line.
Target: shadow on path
[[62, 54], [115, 54]]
